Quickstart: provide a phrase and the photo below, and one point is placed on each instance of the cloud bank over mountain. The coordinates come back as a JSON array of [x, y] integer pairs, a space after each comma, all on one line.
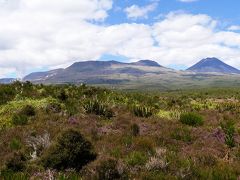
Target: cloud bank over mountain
[[49, 34]]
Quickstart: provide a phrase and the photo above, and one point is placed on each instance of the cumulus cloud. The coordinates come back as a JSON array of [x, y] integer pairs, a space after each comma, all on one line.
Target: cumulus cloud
[[38, 33], [187, 38], [234, 28], [135, 11]]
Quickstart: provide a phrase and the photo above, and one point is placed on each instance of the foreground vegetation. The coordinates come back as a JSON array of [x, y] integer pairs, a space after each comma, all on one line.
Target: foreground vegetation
[[81, 132]]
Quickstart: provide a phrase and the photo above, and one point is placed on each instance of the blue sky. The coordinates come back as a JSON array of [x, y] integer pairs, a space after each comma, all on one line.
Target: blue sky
[[41, 35], [225, 10]]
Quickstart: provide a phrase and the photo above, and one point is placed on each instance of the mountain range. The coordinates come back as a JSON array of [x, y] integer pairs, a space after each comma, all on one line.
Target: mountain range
[[98, 72], [145, 74]]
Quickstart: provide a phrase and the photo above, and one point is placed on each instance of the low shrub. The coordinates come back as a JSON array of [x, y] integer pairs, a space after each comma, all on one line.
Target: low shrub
[[206, 159], [116, 152], [158, 161], [62, 96], [10, 175], [28, 110], [108, 170], [12, 108], [136, 158], [71, 150], [127, 140], [7, 93], [146, 144], [15, 144], [53, 107], [182, 134], [17, 162], [191, 119], [19, 119]]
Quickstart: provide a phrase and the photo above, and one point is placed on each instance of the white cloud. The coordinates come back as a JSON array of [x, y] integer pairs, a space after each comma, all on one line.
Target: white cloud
[[186, 38], [4, 71], [234, 28], [47, 33], [35, 34], [135, 11]]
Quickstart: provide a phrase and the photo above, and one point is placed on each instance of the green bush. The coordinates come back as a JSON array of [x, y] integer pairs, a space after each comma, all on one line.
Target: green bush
[[71, 150], [191, 119], [10, 175], [62, 96], [15, 144], [7, 93], [136, 158], [19, 119]]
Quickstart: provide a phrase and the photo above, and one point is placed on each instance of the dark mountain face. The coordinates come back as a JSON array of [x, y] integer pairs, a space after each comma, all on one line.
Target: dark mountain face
[[210, 65]]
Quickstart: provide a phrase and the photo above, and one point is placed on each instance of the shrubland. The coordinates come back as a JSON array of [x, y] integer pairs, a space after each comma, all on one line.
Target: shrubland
[[83, 132]]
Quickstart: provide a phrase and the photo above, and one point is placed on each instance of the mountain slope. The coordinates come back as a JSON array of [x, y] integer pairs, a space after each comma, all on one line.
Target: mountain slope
[[147, 63], [98, 72], [41, 75], [213, 65]]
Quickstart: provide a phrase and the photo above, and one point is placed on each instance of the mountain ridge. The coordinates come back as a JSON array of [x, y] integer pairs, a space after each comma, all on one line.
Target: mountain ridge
[[86, 69]]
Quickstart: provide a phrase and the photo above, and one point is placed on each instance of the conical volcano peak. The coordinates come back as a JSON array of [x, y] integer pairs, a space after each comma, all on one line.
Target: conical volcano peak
[[213, 65]]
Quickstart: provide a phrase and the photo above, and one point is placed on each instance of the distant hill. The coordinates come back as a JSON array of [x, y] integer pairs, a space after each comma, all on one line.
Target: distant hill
[[6, 80], [213, 65], [98, 72]]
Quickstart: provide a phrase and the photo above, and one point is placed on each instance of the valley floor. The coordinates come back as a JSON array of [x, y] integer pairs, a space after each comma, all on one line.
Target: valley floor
[[81, 132]]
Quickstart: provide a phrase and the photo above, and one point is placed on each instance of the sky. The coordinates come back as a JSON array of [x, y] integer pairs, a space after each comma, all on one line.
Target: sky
[[39, 35]]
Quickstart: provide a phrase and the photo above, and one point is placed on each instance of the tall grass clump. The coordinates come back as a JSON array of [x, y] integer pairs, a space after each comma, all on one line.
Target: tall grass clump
[[98, 108], [229, 130], [191, 119], [142, 111], [135, 130]]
